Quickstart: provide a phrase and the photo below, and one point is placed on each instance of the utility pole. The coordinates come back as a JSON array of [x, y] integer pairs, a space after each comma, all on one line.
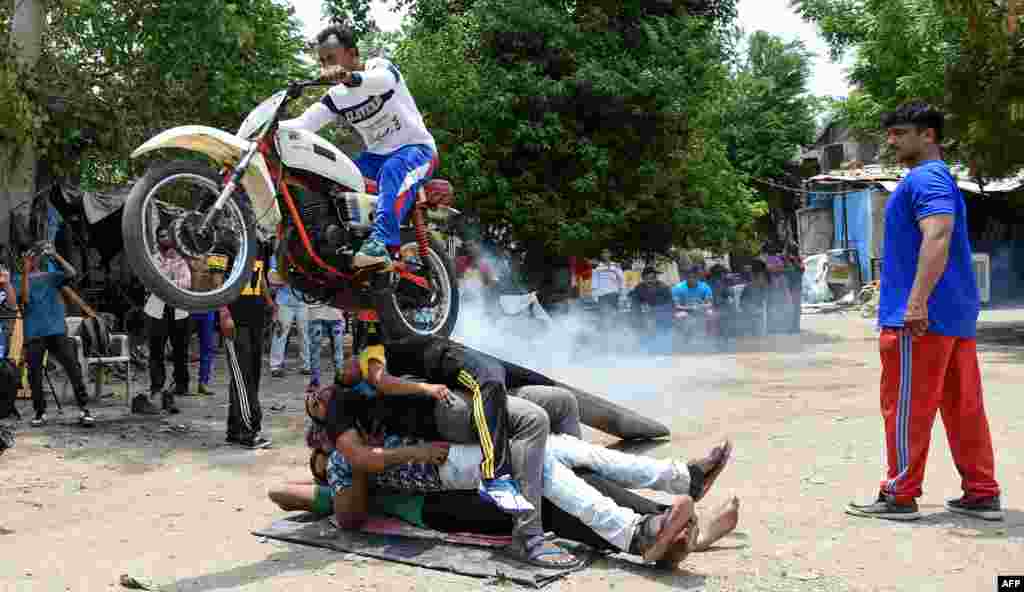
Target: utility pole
[[18, 184]]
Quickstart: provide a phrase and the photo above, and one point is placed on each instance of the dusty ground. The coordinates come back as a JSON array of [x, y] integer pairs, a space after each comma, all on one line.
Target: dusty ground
[[167, 501]]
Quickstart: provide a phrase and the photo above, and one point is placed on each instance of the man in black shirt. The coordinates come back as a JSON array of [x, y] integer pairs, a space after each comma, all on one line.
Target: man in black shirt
[[447, 364], [653, 297], [751, 318], [241, 324]]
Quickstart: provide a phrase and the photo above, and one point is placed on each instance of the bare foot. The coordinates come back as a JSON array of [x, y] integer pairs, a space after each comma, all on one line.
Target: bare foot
[[722, 522]]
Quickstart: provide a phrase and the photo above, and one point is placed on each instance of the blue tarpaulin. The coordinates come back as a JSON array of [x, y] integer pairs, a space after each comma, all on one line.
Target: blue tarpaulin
[[857, 220]]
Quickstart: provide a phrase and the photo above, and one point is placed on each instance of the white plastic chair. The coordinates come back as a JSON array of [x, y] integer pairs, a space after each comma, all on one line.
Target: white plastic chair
[[120, 352]]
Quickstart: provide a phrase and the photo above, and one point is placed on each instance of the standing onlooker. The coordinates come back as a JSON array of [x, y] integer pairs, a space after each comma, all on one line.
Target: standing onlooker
[[928, 311], [207, 275], [477, 281], [608, 286], [46, 331], [241, 324], [8, 300], [324, 319], [751, 318], [794, 272], [163, 323], [778, 297], [290, 308]]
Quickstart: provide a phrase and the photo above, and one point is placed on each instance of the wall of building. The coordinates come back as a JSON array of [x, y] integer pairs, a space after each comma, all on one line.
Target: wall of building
[[815, 229]]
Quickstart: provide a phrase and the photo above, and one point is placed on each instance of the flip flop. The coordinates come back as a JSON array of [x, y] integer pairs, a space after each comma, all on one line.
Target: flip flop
[[716, 470], [546, 548]]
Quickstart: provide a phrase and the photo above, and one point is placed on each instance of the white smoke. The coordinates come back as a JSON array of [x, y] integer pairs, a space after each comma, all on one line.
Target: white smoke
[[614, 363]]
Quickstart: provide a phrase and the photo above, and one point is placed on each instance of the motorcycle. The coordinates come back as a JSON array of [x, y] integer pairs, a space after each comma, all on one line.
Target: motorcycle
[[328, 210]]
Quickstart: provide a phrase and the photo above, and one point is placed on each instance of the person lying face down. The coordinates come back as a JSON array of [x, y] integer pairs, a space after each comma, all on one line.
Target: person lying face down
[[660, 535], [445, 364], [464, 511]]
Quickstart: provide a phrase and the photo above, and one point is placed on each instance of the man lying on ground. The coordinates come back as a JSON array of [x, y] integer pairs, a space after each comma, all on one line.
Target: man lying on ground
[[435, 467], [464, 511], [445, 366]]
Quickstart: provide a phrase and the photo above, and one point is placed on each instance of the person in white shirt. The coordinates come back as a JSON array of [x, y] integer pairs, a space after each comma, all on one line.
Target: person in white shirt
[[400, 153], [324, 320], [608, 284], [166, 322]]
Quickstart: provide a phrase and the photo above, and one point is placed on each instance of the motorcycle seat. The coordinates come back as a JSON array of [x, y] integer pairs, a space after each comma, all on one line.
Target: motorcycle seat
[[439, 192]]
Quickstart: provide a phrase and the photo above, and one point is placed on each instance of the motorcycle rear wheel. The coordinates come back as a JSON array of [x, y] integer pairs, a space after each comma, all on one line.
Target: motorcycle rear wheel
[[137, 247], [395, 319]]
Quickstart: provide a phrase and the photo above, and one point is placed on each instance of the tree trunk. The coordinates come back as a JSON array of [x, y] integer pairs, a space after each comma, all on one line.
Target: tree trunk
[[18, 183]]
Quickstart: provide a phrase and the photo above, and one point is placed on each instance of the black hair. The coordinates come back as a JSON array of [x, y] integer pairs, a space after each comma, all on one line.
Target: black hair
[[758, 267], [919, 114], [312, 465], [344, 35]]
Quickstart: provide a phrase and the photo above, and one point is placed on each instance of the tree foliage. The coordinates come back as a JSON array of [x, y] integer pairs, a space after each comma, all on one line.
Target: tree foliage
[[957, 54], [771, 112], [567, 127], [115, 72]]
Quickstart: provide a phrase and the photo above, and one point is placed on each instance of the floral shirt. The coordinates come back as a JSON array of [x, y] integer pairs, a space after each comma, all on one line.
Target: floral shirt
[[405, 478]]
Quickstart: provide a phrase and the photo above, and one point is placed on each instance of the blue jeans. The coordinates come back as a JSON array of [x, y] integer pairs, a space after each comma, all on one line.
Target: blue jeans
[[205, 321], [316, 331], [562, 486], [399, 176], [287, 315]]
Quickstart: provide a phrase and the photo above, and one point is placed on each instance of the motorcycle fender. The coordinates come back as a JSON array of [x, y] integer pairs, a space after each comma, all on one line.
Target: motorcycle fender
[[226, 149]]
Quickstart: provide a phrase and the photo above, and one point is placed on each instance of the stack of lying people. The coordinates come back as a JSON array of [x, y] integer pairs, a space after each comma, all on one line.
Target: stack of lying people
[[449, 447]]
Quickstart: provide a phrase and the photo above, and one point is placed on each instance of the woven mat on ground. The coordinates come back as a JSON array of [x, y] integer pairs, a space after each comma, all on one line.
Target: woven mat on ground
[[393, 540]]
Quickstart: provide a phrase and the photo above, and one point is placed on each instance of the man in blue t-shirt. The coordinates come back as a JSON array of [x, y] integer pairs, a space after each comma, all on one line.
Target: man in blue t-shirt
[[692, 291], [45, 331], [693, 300], [928, 312]]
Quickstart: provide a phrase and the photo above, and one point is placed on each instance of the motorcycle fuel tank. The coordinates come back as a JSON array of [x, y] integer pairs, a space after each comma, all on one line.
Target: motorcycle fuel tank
[[307, 151]]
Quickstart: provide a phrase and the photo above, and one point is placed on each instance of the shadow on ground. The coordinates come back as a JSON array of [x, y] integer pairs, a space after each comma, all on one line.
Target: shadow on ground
[[137, 444], [306, 559]]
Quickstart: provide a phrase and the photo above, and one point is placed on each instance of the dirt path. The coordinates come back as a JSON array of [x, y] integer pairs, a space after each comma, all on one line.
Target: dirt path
[[169, 502]]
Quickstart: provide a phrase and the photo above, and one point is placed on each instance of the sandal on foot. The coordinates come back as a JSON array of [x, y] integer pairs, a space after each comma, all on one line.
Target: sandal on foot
[[540, 552], [720, 457]]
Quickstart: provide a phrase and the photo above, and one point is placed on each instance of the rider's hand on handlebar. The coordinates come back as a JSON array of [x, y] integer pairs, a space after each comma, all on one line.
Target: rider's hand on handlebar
[[335, 74]]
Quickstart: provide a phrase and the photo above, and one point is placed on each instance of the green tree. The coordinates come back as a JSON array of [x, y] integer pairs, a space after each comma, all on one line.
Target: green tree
[[569, 127], [116, 72], [958, 54], [771, 111]]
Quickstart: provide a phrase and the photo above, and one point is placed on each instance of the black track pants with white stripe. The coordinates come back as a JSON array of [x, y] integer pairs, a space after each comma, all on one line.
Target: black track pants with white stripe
[[244, 361]]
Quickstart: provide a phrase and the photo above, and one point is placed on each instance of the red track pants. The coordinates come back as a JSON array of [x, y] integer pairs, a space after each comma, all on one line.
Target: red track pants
[[922, 375]]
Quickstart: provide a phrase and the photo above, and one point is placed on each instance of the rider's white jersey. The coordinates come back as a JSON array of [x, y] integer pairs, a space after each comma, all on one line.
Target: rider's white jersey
[[379, 106]]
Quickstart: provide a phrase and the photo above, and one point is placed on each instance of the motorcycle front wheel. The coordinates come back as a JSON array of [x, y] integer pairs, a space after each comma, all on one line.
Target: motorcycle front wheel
[[175, 196], [404, 315]]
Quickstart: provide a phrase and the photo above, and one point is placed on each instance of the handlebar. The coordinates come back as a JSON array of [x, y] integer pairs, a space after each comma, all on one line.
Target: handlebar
[[296, 87]]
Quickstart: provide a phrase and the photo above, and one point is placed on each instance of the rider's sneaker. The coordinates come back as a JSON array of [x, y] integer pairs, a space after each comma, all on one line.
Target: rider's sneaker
[[373, 252], [504, 493]]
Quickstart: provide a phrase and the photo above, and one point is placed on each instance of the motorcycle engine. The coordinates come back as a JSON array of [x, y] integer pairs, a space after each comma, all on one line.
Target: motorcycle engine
[[334, 229]]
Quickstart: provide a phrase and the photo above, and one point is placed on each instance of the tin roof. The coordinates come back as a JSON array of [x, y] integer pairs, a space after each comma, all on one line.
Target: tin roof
[[889, 178]]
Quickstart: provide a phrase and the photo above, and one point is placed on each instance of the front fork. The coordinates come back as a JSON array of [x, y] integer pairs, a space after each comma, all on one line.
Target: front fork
[[230, 187]]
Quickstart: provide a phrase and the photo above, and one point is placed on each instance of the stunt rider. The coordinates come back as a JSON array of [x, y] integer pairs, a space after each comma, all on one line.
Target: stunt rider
[[400, 153]]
